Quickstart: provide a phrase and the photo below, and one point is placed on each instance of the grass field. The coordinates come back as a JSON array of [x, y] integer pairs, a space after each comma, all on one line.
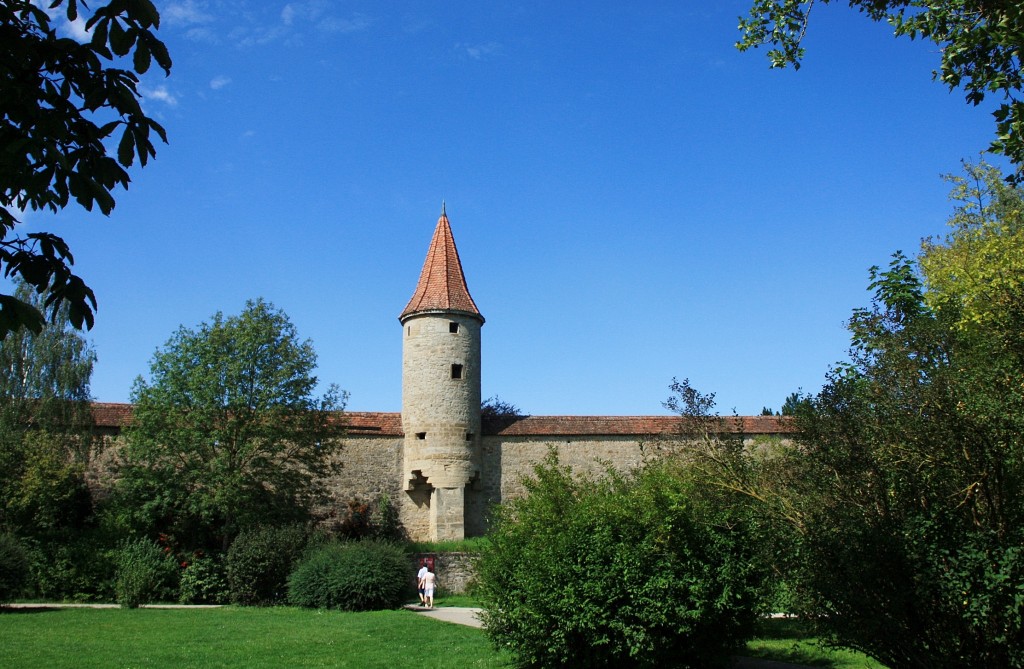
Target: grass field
[[288, 637], [235, 637], [782, 640]]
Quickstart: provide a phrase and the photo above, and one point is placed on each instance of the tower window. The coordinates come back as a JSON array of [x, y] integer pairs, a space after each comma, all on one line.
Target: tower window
[[421, 435], [453, 327], [456, 371], [469, 436]]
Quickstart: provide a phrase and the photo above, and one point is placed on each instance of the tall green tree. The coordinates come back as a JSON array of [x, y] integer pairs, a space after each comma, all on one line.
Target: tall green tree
[[64, 107], [912, 505], [977, 270], [228, 432], [44, 424], [980, 42], [905, 491]]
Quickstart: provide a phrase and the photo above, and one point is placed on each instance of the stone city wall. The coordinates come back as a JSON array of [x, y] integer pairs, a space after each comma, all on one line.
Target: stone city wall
[[372, 457], [455, 571]]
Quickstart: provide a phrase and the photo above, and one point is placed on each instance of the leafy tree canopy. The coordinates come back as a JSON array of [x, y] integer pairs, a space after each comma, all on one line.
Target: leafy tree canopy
[[44, 376], [915, 468], [62, 103], [980, 42], [228, 432], [495, 407], [978, 270], [906, 491], [44, 424]]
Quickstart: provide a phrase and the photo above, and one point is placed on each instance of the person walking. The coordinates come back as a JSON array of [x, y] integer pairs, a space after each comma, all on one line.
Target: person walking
[[427, 584], [419, 581]]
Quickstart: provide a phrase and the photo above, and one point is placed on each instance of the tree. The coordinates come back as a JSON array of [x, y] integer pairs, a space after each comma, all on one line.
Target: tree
[[905, 491], [44, 424], [793, 402], [980, 41], [227, 432], [978, 270], [62, 102], [44, 376], [912, 505], [497, 408]]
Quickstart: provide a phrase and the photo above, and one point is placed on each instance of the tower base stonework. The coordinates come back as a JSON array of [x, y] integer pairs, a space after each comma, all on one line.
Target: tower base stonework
[[448, 514]]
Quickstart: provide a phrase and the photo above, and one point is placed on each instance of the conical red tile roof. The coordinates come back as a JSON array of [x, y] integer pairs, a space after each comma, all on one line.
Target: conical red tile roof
[[442, 285]]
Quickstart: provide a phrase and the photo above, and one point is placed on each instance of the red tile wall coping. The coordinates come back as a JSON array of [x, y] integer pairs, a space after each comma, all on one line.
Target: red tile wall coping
[[626, 425], [111, 415], [389, 424]]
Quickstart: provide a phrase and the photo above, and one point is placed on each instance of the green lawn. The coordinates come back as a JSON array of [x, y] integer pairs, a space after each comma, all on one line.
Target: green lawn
[[289, 637], [235, 637], [783, 640]]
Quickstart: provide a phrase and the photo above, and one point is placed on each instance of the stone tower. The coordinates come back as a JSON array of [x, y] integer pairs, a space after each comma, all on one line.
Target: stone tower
[[440, 394]]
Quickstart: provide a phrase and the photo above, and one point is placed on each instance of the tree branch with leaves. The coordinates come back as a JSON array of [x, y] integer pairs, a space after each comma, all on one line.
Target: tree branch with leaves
[[62, 102], [981, 42]]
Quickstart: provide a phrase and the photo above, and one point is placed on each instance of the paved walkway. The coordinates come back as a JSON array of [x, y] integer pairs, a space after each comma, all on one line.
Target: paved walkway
[[470, 616]]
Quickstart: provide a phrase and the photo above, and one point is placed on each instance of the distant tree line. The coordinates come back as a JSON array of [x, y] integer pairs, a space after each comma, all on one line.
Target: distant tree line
[[216, 482]]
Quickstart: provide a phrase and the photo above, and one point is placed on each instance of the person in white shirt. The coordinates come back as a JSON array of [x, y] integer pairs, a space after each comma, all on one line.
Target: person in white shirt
[[419, 581], [427, 583]]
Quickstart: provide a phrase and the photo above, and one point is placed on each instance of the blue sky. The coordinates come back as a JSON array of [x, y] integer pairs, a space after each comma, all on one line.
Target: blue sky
[[633, 199]]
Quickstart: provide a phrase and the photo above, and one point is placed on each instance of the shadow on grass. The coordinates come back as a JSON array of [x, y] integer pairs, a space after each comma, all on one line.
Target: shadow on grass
[[11, 610], [789, 640], [782, 628]]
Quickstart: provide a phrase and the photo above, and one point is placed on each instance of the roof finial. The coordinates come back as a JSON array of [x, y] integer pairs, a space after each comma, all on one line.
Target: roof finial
[[442, 208]]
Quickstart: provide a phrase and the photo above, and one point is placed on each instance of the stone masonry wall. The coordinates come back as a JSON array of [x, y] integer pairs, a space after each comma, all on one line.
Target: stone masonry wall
[[372, 461], [369, 470], [505, 461], [455, 571]]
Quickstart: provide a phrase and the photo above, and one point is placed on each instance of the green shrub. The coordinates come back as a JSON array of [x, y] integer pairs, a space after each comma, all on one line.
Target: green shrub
[[385, 522], [614, 572], [259, 561], [363, 575], [79, 568], [144, 571], [14, 570], [204, 580], [952, 595]]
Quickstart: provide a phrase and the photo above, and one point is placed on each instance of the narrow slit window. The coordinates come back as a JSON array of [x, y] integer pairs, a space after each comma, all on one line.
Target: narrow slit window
[[421, 435], [456, 371], [469, 436], [453, 327]]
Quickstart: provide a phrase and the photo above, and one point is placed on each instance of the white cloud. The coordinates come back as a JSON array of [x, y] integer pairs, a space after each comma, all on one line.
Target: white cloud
[[185, 13], [162, 94], [478, 51], [219, 82], [76, 30], [288, 14], [254, 25], [333, 24], [202, 34]]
